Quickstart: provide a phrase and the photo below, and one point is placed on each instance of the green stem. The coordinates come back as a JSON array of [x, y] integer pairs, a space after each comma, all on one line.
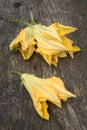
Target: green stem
[[32, 18], [21, 22], [16, 72]]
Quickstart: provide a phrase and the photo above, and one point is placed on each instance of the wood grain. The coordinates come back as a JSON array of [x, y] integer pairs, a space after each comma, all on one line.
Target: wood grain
[[16, 108]]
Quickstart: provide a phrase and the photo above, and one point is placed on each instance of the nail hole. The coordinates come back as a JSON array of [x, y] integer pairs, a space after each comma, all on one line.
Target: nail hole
[[17, 4]]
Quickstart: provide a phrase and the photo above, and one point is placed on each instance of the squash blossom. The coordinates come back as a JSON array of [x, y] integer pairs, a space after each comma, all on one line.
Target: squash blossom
[[42, 90], [49, 41]]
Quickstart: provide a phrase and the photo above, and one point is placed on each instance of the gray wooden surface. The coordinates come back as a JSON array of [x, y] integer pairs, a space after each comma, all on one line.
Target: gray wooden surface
[[16, 108]]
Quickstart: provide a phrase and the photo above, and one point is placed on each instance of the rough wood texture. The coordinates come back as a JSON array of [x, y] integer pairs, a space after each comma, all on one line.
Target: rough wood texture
[[16, 108]]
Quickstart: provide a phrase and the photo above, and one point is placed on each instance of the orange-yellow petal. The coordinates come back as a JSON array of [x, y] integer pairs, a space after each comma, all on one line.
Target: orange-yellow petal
[[23, 39], [58, 84], [62, 29], [68, 44], [27, 53]]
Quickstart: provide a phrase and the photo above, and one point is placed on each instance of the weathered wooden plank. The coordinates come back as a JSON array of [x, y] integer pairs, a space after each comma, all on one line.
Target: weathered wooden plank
[[16, 108]]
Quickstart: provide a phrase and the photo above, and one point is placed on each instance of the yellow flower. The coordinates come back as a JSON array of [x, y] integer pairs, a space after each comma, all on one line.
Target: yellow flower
[[51, 55], [48, 41], [42, 90]]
